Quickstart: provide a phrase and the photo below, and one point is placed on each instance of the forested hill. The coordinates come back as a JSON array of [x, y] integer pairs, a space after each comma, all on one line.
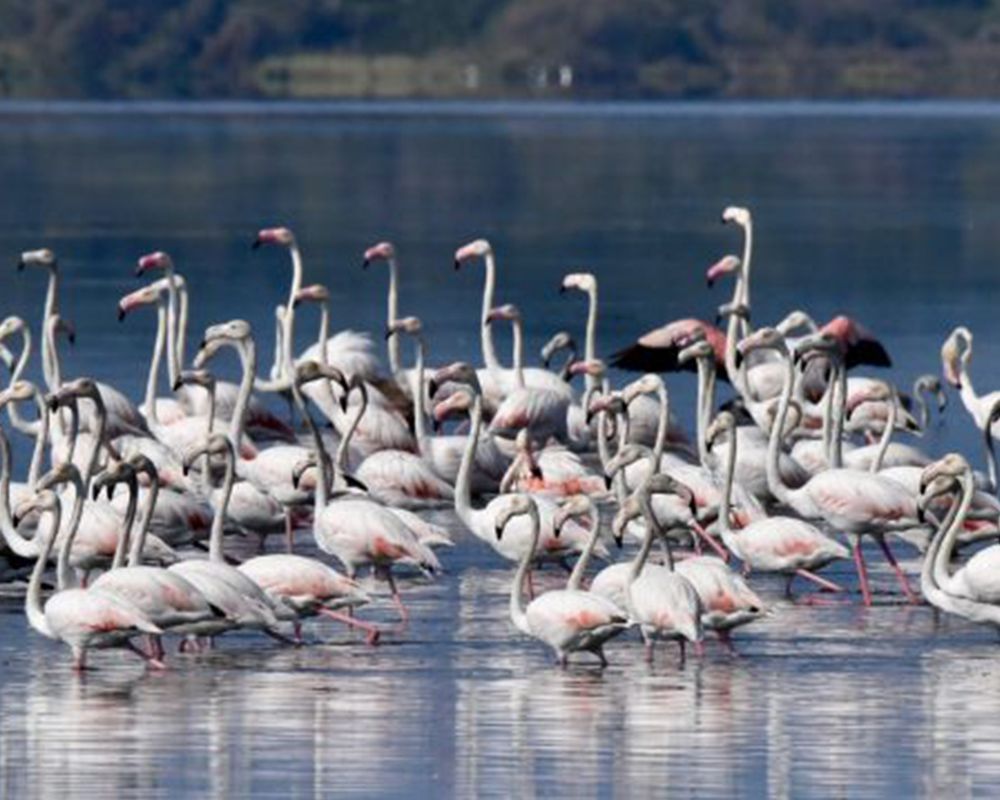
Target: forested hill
[[500, 48]]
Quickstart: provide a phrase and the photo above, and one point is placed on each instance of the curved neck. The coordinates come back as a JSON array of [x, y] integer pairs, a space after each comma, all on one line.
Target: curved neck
[[946, 548], [839, 405], [33, 607], [22, 547], [744, 281], [775, 485], [139, 536], [323, 477], [727, 491], [737, 377], [248, 357], [590, 346], [486, 332], [182, 325], [154, 363], [126, 532], [288, 328], [580, 568], [967, 391], [391, 312], [21, 424], [653, 530], [41, 438], [218, 523], [54, 376], [343, 449], [518, 351], [702, 411], [463, 482], [991, 455], [663, 423], [65, 578], [883, 444], [518, 609]]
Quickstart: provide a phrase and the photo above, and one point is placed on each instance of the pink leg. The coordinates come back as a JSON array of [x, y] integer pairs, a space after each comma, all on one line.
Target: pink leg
[[404, 614], [530, 581], [900, 575], [297, 629], [153, 662], [710, 541], [820, 581], [373, 632], [699, 648], [859, 562], [79, 660], [727, 641]]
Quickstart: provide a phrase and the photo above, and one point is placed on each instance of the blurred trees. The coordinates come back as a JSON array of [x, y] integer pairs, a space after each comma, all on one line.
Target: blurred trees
[[616, 48]]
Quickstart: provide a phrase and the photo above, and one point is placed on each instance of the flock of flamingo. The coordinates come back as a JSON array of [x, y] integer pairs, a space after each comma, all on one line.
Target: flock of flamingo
[[787, 477]]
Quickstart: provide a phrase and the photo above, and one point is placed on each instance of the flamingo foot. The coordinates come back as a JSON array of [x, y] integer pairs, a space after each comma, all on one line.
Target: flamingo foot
[[374, 633]]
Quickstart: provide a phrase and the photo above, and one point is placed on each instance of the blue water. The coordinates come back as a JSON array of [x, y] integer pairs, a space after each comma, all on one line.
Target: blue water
[[884, 211]]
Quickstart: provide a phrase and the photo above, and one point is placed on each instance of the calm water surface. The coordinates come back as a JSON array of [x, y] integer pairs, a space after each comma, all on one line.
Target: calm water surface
[[886, 212]]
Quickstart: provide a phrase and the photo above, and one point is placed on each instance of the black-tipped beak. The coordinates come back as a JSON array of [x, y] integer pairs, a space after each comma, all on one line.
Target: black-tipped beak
[[388, 333], [71, 338], [694, 508], [121, 314], [177, 385], [608, 479], [499, 532], [562, 289], [536, 472], [435, 424], [16, 518], [255, 243], [139, 271], [458, 264], [95, 492], [738, 358], [432, 387], [296, 480], [52, 402], [619, 541], [366, 263], [921, 514], [718, 319], [21, 265], [203, 344], [710, 282]]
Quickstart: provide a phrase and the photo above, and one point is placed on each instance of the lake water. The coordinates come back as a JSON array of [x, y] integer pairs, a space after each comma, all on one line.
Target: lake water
[[886, 212]]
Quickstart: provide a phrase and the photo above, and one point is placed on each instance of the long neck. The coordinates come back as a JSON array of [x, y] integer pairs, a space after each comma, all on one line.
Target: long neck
[[518, 352], [25, 427], [215, 540], [173, 364], [65, 577], [662, 425], [25, 548], [883, 444], [991, 455], [33, 607], [775, 485], [324, 327], [182, 325], [463, 482], [947, 547], [486, 332], [323, 479], [41, 439], [95, 454], [727, 492], [248, 357], [343, 449], [138, 538], [967, 391], [745, 274], [419, 421], [580, 568], [652, 530], [590, 346], [288, 329], [836, 455], [54, 376], [49, 358], [518, 609], [391, 313], [736, 377], [701, 420], [154, 364], [126, 533]]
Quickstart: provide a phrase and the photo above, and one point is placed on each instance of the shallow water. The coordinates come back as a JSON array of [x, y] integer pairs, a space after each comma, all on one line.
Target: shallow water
[[886, 212]]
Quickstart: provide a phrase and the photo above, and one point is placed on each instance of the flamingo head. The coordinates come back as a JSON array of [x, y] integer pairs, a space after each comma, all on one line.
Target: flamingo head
[[817, 345], [236, 330], [661, 483], [561, 340], [578, 505], [383, 251], [649, 383], [723, 423], [955, 352], [72, 391], [736, 214], [611, 403], [44, 501], [518, 505], [143, 465], [627, 455], [456, 372], [309, 371], [116, 472], [59, 324], [215, 445], [42, 257], [929, 384], [700, 348], [761, 339], [282, 236], [797, 320], [945, 470], [64, 472], [17, 392], [151, 261], [726, 265], [480, 248], [10, 326], [595, 367], [195, 377], [583, 281], [508, 312], [408, 325], [316, 293], [458, 402], [629, 510], [145, 296]]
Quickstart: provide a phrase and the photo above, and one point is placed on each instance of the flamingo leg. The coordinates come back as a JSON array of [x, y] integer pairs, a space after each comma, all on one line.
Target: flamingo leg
[[278, 636], [820, 581], [710, 541], [373, 631], [683, 651], [649, 647], [727, 641], [79, 660], [699, 648], [151, 660], [600, 654], [859, 562], [404, 614], [900, 575]]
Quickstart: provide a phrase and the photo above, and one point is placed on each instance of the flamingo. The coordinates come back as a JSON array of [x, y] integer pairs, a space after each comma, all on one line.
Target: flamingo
[[553, 470], [853, 501], [972, 591], [787, 545], [956, 353], [567, 620], [82, 619]]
